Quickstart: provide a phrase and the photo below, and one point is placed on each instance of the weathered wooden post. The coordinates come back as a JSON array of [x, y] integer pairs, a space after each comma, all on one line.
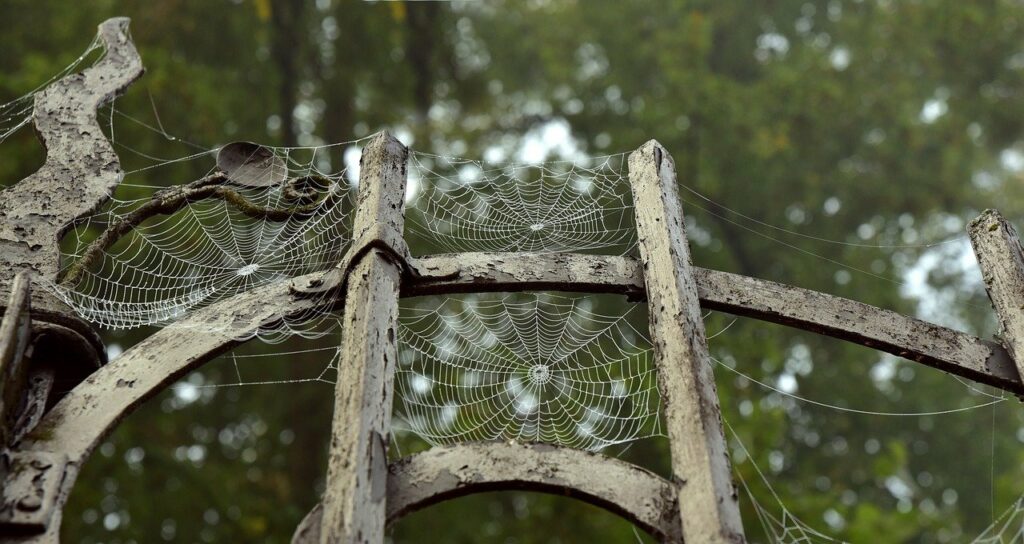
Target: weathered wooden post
[[1001, 259], [708, 507], [14, 336], [41, 340], [354, 502]]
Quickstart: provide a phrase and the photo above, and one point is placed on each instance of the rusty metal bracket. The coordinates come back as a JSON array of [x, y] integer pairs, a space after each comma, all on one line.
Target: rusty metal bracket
[[29, 495]]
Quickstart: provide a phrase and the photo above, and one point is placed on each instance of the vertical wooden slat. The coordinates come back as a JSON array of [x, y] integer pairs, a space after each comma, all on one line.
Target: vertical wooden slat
[[700, 464], [354, 501], [14, 334], [1001, 259]]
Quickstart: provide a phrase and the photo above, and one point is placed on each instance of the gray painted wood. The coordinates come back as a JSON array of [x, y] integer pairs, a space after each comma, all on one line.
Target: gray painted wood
[[14, 336], [940, 347], [81, 168], [80, 421], [997, 246], [27, 502], [489, 272], [700, 462], [79, 174], [89, 412], [449, 472], [355, 497]]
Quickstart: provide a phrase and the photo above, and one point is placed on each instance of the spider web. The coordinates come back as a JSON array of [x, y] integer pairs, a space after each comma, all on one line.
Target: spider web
[[538, 368], [211, 248], [466, 205], [1008, 528], [780, 525], [17, 113]]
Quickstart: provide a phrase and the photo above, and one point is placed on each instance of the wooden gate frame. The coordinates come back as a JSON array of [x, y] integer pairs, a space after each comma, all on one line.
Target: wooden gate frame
[[46, 437]]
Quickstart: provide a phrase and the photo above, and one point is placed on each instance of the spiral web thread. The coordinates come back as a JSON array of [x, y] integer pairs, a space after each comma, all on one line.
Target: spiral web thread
[[210, 250], [466, 205], [534, 368]]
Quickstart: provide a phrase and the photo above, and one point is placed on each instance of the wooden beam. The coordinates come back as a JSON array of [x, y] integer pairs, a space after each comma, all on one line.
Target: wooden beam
[[997, 246], [355, 498], [700, 461], [490, 272], [79, 421], [81, 168], [449, 472], [933, 345], [92, 409], [14, 336]]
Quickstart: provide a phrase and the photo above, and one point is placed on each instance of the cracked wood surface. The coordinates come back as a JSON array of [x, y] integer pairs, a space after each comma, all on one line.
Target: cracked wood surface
[[79, 174], [81, 419], [933, 345], [997, 246], [449, 472], [485, 272], [702, 475], [355, 497], [81, 168], [14, 339], [76, 425]]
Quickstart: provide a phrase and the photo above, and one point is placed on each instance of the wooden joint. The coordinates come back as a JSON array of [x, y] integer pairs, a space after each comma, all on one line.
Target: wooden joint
[[391, 244]]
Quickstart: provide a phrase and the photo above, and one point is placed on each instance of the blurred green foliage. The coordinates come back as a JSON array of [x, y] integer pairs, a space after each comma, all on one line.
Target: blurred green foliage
[[869, 123]]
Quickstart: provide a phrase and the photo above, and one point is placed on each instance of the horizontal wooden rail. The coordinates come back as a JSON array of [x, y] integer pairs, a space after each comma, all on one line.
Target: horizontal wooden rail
[[82, 418], [449, 472], [85, 415], [940, 347], [491, 272], [953, 351]]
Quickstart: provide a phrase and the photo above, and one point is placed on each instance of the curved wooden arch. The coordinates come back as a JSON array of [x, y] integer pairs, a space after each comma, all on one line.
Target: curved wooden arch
[[444, 473], [87, 413], [80, 420]]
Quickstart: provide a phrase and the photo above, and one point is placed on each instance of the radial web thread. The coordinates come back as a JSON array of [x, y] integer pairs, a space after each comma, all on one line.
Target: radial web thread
[[537, 368], [465, 205], [213, 248]]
